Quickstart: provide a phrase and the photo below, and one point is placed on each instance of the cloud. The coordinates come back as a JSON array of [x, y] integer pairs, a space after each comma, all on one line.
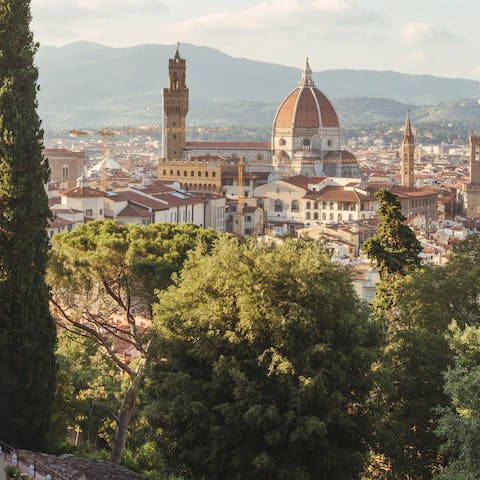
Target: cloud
[[426, 33], [284, 18], [419, 57]]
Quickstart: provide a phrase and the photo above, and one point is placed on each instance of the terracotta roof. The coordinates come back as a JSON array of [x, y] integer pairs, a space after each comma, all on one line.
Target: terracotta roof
[[130, 211], [86, 192], [306, 107], [230, 145], [298, 180], [58, 211], [138, 199], [339, 194], [408, 192], [59, 222], [155, 188], [313, 180]]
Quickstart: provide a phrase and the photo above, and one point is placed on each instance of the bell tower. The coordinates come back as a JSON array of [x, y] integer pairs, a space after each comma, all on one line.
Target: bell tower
[[175, 108], [407, 152]]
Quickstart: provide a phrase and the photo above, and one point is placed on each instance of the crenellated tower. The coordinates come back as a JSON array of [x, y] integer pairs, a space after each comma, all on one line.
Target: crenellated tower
[[475, 160], [407, 164], [175, 108]]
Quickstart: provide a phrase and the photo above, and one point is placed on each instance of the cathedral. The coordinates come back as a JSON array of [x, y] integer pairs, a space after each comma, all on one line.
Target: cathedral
[[306, 139]]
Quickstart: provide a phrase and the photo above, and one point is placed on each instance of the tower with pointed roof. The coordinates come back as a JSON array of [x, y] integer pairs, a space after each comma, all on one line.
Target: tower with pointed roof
[[175, 108], [407, 162]]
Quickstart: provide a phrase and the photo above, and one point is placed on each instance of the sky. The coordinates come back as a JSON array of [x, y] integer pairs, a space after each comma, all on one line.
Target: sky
[[438, 37]]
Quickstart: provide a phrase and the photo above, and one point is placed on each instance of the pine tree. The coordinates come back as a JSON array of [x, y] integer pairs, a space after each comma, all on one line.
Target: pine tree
[[27, 332]]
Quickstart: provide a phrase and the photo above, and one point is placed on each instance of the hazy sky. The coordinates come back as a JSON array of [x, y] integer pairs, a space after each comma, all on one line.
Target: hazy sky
[[441, 37]]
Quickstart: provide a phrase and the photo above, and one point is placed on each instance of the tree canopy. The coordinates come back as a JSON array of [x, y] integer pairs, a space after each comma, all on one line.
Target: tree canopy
[[261, 366], [27, 331], [103, 276]]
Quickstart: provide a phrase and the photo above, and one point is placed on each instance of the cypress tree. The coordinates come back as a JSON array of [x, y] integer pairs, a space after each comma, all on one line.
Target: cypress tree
[[27, 331]]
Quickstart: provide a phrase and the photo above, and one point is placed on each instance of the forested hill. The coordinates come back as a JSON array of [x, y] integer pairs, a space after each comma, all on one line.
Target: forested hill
[[90, 84]]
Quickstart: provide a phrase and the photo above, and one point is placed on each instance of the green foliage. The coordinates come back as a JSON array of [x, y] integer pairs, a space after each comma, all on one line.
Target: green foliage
[[27, 332], [410, 375], [103, 276], [459, 425], [261, 366], [394, 248]]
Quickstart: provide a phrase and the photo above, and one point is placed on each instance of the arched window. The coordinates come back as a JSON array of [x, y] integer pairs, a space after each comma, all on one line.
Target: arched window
[[306, 142], [315, 206], [171, 173], [199, 173], [206, 174], [164, 173], [192, 173], [331, 205], [309, 206], [185, 173], [178, 173], [329, 143], [308, 216], [214, 174], [295, 206], [324, 216], [324, 205], [315, 215], [260, 203], [331, 217], [339, 217], [278, 205]]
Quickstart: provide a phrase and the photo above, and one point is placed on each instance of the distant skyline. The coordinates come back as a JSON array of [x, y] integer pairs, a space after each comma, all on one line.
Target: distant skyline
[[438, 37]]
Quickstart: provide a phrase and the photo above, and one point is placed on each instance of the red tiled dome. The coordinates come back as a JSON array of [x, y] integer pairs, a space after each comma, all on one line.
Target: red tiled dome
[[306, 107]]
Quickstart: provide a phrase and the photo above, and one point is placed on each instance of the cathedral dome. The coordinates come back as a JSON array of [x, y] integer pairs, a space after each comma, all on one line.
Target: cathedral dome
[[306, 107]]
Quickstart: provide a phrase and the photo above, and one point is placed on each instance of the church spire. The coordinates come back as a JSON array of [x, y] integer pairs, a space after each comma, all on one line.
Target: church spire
[[407, 163], [306, 79], [407, 131], [177, 52]]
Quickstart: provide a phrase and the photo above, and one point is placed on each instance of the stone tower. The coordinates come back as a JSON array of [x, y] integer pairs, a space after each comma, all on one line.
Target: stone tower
[[475, 159], [407, 152], [175, 108]]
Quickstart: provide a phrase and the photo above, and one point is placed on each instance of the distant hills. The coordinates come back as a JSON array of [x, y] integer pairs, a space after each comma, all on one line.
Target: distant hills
[[86, 84]]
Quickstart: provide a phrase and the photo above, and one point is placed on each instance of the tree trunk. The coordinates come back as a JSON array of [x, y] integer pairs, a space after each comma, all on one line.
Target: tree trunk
[[124, 416]]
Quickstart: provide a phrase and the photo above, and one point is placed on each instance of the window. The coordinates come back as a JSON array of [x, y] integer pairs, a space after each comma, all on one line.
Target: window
[[309, 206], [295, 206], [199, 174], [89, 212], [260, 203], [324, 216], [101, 211], [331, 217], [185, 173], [192, 173], [324, 205], [164, 173], [248, 218], [315, 206], [64, 172], [178, 173], [315, 216], [278, 205], [329, 143], [339, 217], [331, 205], [214, 174], [350, 217], [206, 174], [171, 173], [308, 216], [306, 142]]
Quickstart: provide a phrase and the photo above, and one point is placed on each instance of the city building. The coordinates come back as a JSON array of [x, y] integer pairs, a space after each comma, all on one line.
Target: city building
[[65, 166]]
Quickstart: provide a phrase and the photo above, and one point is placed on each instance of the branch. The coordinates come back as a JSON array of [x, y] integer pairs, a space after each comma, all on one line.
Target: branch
[[96, 336]]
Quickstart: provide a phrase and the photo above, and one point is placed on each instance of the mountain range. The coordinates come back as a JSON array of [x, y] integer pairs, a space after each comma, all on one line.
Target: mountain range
[[85, 84]]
